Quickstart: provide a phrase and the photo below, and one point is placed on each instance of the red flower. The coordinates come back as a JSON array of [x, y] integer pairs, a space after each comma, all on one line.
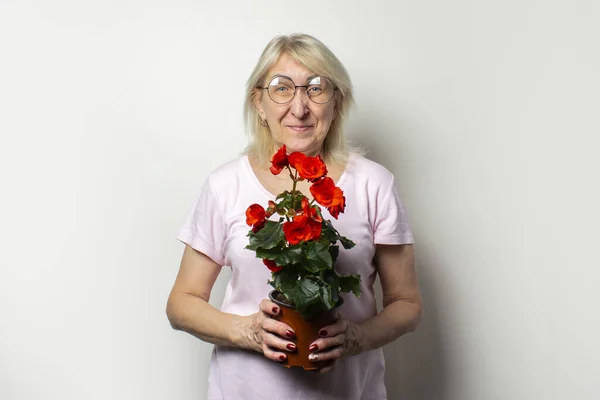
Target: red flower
[[296, 159], [301, 229], [279, 161], [257, 227], [312, 168], [336, 210], [327, 194], [255, 217], [309, 211], [272, 266]]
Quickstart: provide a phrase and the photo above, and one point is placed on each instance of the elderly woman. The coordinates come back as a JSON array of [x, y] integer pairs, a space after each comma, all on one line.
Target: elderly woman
[[297, 96]]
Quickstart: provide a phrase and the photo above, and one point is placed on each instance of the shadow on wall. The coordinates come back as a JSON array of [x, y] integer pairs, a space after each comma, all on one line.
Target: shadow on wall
[[416, 364]]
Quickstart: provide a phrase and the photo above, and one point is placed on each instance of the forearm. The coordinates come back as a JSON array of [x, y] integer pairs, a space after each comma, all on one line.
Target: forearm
[[396, 319], [197, 317]]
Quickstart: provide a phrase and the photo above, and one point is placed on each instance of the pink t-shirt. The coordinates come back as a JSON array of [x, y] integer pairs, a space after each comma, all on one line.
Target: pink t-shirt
[[216, 226]]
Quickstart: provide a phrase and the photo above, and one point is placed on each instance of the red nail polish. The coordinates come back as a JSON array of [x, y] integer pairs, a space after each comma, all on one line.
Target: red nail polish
[[291, 346], [289, 334], [313, 347], [282, 357], [275, 310], [322, 332]]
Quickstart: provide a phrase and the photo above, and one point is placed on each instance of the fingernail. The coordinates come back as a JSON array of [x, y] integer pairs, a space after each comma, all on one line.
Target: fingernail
[[313, 347], [275, 310], [291, 346], [290, 334], [282, 357], [322, 332], [313, 357]]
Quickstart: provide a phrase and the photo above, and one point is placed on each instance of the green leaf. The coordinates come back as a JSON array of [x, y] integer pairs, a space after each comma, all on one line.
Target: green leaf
[[327, 296], [334, 251], [282, 195], [330, 278], [282, 256], [285, 279], [347, 243], [267, 238], [331, 234], [350, 283], [306, 294], [317, 257]]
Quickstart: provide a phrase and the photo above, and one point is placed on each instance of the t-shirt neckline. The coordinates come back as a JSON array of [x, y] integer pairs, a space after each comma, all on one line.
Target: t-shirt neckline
[[272, 196]]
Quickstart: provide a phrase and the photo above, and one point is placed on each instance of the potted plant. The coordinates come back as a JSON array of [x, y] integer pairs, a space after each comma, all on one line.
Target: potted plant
[[300, 249]]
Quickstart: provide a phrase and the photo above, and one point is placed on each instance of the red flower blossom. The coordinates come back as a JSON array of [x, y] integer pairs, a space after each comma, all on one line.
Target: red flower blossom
[[255, 217], [272, 266], [311, 168], [296, 159], [327, 194], [279, 161], [309, 211], [301, 229], [336, 210]]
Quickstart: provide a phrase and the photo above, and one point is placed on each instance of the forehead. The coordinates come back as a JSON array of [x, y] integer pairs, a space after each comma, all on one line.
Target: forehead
[[290, 67]]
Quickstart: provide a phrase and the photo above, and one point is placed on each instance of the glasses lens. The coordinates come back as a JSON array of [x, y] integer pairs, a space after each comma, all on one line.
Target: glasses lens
[[281, 90], [320, 89]]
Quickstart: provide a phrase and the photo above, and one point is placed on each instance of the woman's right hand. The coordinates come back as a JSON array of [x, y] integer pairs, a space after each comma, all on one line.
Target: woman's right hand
[[269, 336]]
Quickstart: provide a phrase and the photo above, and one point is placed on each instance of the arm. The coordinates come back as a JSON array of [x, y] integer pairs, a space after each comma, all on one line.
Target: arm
[[188, 310], [402, 301], [402, 309]]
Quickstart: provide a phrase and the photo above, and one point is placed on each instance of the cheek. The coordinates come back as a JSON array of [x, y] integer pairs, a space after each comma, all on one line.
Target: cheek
[[325, 120], [275, 113]]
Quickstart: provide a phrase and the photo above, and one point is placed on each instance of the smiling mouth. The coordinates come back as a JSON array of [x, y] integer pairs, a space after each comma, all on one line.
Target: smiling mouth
[[299, 128]]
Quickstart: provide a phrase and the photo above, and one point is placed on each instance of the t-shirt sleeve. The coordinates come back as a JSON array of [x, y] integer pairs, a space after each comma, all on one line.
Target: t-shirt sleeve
[[204, 228], [391, 221]]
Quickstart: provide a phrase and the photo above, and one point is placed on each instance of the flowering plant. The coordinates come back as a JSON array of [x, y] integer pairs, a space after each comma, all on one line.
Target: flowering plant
[[300, 248]]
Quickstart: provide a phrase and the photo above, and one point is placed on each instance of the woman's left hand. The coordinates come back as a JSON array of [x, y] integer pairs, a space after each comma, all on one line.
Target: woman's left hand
[[337, 341]]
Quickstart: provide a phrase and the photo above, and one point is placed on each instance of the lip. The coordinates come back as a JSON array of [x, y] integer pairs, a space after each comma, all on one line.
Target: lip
[[299, 128]]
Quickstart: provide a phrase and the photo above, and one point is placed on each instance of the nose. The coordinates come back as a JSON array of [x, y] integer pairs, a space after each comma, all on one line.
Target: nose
[[300, 102]]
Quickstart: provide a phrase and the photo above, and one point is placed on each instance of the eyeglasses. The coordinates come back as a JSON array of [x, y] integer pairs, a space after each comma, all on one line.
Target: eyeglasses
[[282, 90]]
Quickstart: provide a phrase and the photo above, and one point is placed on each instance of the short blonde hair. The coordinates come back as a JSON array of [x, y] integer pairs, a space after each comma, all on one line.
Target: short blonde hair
[[316, 57]]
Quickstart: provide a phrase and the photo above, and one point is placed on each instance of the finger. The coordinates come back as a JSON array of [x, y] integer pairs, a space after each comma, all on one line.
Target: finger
[[333, 353], [278, 344], [268, 307], [327, 343], [279, 328], [335, 329], [273, 354]]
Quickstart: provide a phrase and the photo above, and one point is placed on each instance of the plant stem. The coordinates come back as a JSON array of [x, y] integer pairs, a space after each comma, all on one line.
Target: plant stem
[[294, 178]]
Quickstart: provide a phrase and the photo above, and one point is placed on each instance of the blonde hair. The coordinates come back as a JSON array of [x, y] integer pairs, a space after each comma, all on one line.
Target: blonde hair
[[316, 57]]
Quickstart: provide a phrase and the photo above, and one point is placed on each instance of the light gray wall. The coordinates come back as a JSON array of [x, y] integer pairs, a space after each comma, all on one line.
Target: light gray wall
[[113, 112]]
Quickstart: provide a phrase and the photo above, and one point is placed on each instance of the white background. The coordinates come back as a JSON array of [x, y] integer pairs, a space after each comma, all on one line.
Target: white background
[[113, 112]]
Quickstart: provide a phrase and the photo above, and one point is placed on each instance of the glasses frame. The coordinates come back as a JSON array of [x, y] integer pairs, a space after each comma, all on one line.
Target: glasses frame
[[296, 89]]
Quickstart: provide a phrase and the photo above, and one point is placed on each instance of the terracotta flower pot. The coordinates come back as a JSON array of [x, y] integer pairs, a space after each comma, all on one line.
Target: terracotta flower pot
[[307, 331]]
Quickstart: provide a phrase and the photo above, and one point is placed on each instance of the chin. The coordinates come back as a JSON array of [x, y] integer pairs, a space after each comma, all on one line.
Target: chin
[[306, 149]]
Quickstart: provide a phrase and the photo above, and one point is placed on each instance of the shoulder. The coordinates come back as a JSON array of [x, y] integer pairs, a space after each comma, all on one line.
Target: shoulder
[[362, 169], [224, 175]]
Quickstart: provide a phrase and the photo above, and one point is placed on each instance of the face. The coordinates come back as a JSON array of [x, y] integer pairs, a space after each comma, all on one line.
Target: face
[[301, 124]]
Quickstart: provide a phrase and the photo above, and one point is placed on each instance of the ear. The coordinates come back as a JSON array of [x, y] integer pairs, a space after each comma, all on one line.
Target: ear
[[336, 108], [257, 101]]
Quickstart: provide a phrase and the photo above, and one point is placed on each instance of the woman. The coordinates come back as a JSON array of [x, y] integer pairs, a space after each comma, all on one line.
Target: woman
[[297, 96]]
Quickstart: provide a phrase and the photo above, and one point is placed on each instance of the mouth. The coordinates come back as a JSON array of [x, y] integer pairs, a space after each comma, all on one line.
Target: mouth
[[299, 128]]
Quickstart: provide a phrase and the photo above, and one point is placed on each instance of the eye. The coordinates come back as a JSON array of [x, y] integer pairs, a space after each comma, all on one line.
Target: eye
[[281, 89], [314, 89]]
